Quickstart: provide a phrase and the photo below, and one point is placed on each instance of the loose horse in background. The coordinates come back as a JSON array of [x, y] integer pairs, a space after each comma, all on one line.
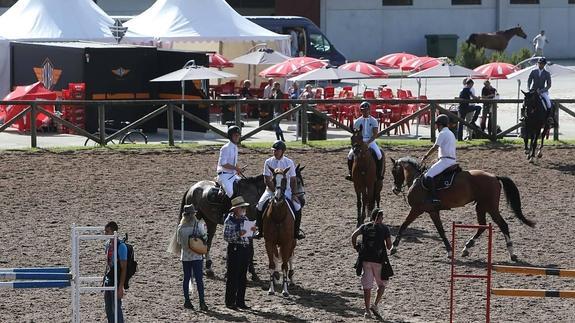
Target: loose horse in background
[[535, 124], [363, 173], [468, 186], [279, 220], [498, 40]]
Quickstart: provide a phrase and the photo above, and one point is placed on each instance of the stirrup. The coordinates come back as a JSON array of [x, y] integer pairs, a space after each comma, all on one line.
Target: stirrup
[[258, 235], [299, 235]]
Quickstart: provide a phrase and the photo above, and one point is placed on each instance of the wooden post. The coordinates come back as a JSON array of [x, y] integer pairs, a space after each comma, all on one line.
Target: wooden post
[[33, 134], [102, 124], [556, 128], [238, 114], [493, 122], [432, 120], [170, 125], [304, 124]]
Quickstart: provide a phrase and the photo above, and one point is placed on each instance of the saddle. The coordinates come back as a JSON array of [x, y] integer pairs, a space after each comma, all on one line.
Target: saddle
[[445, 179]]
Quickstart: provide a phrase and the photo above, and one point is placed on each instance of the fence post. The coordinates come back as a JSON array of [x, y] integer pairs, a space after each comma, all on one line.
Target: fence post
[[170, 125], [33, 133], [238, 114], [493, 122], [556, 128], [102, 124], [432, 121], [304, 124]]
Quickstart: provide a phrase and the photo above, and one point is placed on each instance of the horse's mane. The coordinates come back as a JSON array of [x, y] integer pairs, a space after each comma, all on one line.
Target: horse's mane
[[413, 162], [253, 180]]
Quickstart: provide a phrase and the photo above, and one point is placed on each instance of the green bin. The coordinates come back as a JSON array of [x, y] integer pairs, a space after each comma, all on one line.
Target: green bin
[[442, 45]]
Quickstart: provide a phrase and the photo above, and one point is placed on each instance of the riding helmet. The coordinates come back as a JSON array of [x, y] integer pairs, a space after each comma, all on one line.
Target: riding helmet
[[442, 119], [364, 105], [279, 145], [542, 60], [232, 130]]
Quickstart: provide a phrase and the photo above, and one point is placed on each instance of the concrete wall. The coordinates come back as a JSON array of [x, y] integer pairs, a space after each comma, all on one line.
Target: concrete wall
[[366, 30]]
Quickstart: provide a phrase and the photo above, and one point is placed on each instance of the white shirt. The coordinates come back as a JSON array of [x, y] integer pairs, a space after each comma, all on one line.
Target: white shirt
[[228, 155], [446, 142], [368, 124], [282, 163], [539, 41], [268, 91]]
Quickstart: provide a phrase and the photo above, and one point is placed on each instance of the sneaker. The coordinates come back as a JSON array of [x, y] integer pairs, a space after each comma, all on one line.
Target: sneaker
[[203, 306], [375, 312], [188, 304]]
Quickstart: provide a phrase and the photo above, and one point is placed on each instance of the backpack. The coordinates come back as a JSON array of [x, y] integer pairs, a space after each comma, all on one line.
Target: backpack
[[372, 243], [131, 264]]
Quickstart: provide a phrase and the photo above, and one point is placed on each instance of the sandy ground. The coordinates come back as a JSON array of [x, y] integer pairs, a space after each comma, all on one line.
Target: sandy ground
[[44, 193]]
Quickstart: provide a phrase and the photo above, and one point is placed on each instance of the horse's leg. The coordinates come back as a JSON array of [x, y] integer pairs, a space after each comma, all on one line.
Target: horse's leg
[[270, 249], [498, 219], [359, 206], [533, 147], [413, 214], [480, 220], [543, 133], [211, 233], [439, 226], [365, 204]]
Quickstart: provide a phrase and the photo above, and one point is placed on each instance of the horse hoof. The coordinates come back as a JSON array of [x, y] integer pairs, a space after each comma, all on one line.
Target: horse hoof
[[285, 294], [393, 251], [255, 278], [514, 258], [271, 293], [539, 155], [464, 253], [526, 152]]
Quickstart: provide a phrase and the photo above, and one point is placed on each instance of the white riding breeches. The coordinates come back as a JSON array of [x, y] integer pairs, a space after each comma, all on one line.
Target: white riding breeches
[[372, 146], [269, 194], [439, 166], [545, 98], [227, 180]]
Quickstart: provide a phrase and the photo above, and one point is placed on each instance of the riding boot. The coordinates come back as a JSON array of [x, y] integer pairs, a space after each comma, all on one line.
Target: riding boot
[[349, 167], [378, 165], [259, 224], [297, 233], [551, 116], [433, 192]]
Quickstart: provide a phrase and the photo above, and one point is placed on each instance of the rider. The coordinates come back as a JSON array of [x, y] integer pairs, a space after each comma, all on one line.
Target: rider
[[446, 156], [279, 160], [540, 81], [369, 132], [227, 169]]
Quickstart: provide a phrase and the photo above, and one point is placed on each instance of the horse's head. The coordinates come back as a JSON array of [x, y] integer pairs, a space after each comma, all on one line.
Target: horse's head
[[300, 186], [357, 143], [519, 32], [279, 179], [404, 171]]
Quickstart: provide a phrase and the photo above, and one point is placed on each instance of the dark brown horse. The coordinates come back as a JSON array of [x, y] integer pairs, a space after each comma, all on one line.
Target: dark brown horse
[[498, 40], [363, 173], [468, 186], [535, 124], [278, 219]]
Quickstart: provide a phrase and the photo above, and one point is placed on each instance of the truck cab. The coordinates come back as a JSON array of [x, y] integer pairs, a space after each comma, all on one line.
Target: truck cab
[[307, 39]]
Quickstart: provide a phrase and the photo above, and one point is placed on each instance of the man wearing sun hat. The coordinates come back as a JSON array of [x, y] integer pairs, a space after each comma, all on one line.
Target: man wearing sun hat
[[238, 254]]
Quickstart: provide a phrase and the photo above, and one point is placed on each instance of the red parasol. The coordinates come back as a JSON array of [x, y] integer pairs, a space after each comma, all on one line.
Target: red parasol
[[419, 63], [496, 70], [292, 67], [365, 68], [218, 61], [35, 91], [394, 60]]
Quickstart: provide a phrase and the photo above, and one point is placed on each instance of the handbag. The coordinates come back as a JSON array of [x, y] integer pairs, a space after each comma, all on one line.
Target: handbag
[[197, 244], [386, 269]]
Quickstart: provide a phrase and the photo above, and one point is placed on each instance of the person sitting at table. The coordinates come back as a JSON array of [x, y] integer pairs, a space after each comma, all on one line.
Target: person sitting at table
[[245, 93], [307, 93]]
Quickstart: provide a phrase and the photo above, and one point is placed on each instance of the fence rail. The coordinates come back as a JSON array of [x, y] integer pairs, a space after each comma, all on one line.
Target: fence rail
[[170, 106]]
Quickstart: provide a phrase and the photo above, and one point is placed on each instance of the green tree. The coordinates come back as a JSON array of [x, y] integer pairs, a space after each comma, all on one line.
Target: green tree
[[470, 56]]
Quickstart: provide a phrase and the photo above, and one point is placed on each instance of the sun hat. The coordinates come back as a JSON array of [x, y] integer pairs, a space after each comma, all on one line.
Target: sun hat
[[238, 202]]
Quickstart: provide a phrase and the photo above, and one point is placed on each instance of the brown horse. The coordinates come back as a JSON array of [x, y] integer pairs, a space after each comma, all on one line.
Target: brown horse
[[498, 40], [278, 219], [363, 173], [535, 124], [468, 186]]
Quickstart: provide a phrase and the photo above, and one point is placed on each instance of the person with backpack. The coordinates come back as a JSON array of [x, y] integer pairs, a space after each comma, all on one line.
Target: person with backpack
[[190, 227], [376, 240], [111, 256]]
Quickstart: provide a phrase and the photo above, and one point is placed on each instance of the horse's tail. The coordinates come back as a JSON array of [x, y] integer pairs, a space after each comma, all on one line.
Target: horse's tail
[[471, 39], [183, 203], [514, 199]]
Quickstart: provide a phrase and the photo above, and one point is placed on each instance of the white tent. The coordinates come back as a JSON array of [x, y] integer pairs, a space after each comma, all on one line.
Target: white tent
[[56, 20], [209, 25]]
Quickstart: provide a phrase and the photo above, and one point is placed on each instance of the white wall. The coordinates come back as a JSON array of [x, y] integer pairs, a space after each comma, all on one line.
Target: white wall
[[366, 30]]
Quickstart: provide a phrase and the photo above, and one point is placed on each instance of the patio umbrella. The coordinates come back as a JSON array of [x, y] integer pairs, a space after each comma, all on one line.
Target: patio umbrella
[[419, 63], [261, 56], [293, 66], [218, 61], [327, 74], [35, 91], [393, 60], [365, 68], [495, 70], [190, 72]]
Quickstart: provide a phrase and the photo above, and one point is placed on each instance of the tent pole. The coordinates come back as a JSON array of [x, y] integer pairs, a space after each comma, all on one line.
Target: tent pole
[[182, 116]]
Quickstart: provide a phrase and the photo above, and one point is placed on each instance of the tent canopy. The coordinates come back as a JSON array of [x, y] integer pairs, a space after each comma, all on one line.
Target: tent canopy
[[198, 20]]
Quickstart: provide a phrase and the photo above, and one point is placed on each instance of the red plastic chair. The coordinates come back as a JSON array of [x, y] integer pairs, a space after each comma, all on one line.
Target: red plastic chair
[[385, 93], [329, 92], [369, 94]]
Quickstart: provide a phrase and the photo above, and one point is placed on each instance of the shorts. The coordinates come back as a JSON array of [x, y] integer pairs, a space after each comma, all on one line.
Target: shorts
[[371, 271]]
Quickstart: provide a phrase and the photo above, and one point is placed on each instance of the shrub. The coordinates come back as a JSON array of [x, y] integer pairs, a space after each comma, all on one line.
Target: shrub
[[520, 55], [499, 57], [470, 56]]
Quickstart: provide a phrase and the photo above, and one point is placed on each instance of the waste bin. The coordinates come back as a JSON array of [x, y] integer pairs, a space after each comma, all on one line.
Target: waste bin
[[316, 126], [442, 45], [265, 113], [228, 108]]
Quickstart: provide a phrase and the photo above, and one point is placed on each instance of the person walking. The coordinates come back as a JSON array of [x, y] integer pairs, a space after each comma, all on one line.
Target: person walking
[[276, 95], [488, 92], [376, 240], [120, 256], [238, 254], [192, 262], [539, 42]]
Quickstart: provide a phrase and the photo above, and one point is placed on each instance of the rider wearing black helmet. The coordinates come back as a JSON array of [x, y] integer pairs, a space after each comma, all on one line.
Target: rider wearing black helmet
[[227, 169], [446, 143], [369, 127], [540, 80], [278, 160]]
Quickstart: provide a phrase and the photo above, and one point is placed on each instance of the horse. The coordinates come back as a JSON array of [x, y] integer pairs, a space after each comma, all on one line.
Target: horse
[[498, 40], [476, 186], [535, 124], [363, 173], [203, 195], [279, 221]]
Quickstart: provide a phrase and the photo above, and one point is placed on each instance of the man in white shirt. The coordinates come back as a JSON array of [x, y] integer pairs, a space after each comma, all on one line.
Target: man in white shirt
[[279, 161], [446, 143], [227, 169], [370, 127], [539, 42], [268, 89]]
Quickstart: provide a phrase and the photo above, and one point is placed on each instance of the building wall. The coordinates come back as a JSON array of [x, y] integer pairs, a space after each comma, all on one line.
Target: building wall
[[305, 8], [366, 30]]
